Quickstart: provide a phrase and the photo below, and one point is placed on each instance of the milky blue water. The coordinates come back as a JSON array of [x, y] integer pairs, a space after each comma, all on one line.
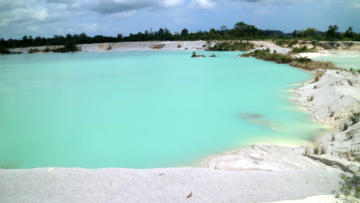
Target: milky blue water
[[342, 61], [144, 109]]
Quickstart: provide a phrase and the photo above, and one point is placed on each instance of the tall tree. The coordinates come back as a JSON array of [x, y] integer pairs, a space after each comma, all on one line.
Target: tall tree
[[184, 32]]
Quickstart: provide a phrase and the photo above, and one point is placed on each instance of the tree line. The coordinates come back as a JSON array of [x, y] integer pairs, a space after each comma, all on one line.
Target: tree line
[[240, 31]]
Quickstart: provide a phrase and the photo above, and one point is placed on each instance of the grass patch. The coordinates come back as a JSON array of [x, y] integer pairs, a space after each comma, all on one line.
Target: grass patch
[[234, 46]]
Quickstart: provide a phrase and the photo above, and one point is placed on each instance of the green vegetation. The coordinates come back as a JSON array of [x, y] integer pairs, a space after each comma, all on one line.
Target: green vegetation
[[47, 49], [265, 55], [240, 31], [355, 118], [310, 98], [31, 51], [349, 135], [351, 184], [299, 62], [232, 46], [332, 114], [304, 49], [69, 47], [345, 127], [4, 51], [212, 55]]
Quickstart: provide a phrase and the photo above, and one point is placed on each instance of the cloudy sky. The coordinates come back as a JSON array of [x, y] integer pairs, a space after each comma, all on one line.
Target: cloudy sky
[[110, 17]]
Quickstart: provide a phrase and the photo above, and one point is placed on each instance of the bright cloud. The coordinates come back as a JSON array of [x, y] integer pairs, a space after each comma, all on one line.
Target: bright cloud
[[202, 4]]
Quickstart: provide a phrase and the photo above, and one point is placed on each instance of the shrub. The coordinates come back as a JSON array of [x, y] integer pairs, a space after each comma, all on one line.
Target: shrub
[[4, 51], [69, 47], [325, 46], [318, 76], [194, 53], [292, 43], [310, 98], [345, 127], [355, 118], [349, 135], [229, 46], [47, 49], [302, 59], [31, 51]]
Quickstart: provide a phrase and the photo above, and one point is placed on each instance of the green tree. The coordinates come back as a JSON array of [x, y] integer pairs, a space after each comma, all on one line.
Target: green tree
[[184, 32], [349, 32], [295, 33], [331, 33], [311, 32]]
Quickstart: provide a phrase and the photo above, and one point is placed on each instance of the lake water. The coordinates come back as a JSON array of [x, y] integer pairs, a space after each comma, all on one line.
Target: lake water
[[342, 60], [144, 109]]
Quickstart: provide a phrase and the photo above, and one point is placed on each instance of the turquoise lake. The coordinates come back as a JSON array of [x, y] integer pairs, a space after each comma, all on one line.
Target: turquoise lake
[[341, 61], [144, 109]]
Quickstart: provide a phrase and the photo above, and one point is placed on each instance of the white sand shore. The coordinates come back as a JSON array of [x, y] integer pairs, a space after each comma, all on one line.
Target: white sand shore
[[151, 46]]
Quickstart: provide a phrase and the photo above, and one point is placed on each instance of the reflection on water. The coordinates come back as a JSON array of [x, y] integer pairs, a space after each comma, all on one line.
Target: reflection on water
[[257, 118]]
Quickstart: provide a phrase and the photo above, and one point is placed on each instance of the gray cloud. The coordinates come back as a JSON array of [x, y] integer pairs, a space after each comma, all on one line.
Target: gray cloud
[[116, 6]]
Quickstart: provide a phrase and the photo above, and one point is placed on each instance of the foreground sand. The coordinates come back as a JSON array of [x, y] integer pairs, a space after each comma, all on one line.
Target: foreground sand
[[163, 185]]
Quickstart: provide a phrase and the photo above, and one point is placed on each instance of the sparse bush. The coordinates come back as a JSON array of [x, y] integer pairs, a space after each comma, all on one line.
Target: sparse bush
[[69, 47], [355, 118], [318, 76], [345, 126], [47, 49], [229, 46], [333, 137], [332, 114], [325, 46], [274, 51], [4, 51], [302, 59], [194, 53], [310, 98], [31, 51], [349, 135], [291, 43], [317, 150], [212, 55], [351, 184]]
